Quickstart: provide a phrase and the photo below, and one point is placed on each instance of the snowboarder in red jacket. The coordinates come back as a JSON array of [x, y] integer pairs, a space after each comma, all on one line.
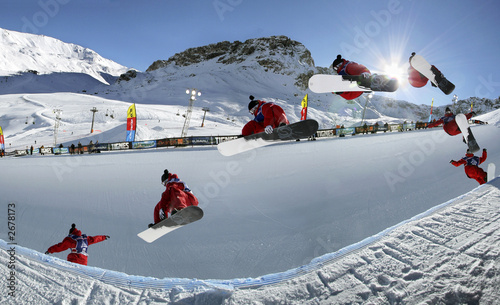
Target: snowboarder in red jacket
[[448, 121], [78, 243], [176, 196], [267, 117], [346, 67], [417, 79], [471, 165]]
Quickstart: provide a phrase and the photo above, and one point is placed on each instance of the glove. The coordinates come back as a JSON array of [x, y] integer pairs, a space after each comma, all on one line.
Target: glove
[[365, 74], [150, 225], [484, 149], [473, 113], [269, 129], [107, 237], [47, 252], [452, 161]]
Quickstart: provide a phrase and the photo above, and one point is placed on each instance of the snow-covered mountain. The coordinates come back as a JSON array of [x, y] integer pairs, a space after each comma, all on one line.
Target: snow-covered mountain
[[272, 68], [332, 222], [24, 52]]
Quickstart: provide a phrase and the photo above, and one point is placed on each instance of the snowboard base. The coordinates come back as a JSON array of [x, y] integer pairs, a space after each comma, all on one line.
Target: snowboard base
[[300, 130], [326, 83], [491, 171], [432, 73], [462, 123], [183, 217]]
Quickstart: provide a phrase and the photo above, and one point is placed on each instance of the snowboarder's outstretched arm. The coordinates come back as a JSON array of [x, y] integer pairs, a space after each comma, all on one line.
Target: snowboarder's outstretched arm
[[458, 163], [436, 123], [96, 239], [62, 246], [483, 156], [470, 115]]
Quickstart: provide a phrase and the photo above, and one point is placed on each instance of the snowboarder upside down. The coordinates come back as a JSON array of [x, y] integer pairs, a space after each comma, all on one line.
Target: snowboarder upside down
[[471, 166], [346, 67], [176, 196], [448, 121], [267, 117], [78, 243]]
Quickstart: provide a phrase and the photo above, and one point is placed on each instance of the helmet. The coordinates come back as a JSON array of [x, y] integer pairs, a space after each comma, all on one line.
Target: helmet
[[164, 176], [337, 62]]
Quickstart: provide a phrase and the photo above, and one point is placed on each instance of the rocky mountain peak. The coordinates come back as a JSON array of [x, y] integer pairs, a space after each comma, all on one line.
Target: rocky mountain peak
[[266, 51]]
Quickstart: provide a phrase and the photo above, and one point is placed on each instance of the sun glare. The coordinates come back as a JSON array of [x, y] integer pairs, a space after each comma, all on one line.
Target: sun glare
[[395, 71]]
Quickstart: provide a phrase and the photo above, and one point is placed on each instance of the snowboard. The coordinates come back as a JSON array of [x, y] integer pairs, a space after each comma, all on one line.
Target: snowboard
[[183, 217], [294, 131], [469, 139], [434, 75], [325, 83], [491, 171]]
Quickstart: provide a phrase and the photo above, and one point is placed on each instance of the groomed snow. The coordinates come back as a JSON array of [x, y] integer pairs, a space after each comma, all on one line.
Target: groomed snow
[[267, 213]]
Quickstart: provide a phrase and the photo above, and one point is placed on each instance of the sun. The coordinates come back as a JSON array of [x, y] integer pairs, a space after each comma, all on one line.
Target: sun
[[396, 71]]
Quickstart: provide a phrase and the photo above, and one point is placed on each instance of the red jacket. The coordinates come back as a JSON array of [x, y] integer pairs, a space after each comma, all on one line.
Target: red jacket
[[449, 124], [78, 244], [415, 78], [266, 114], [471, 166], [177, 196], [351, 68]]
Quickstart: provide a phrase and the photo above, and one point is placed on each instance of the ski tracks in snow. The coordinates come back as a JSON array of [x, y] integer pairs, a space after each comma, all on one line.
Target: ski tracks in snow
[[448, 257]]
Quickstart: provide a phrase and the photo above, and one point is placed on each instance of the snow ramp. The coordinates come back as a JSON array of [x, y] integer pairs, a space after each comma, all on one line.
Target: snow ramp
[[447, 254]]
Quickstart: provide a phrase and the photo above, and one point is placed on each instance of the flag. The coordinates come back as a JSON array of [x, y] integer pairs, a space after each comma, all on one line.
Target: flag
[[131, 123], [303, 112], [430, 116], [2, 143]]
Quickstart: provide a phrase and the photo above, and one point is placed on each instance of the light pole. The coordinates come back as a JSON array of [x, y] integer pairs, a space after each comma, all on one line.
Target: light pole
[[370, 95], [203, 121], [94, 110], [56, 124], [454, 101], [193, 92]]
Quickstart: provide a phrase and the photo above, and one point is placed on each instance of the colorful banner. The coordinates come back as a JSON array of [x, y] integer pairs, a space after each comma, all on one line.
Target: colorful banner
[[303, 112], [2, 143], [131, 123], [432, 104]]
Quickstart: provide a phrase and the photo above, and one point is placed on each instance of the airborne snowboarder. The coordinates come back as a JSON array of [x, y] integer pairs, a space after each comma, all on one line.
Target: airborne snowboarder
[[345, 67], [449, 124], [267, 117], [176, 196], [78, 243], [471, 166]]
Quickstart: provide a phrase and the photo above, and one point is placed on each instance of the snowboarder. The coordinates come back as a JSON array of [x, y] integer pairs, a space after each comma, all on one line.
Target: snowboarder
[[417, 79], [345, 67], [471, 165], [78, 243], [176, 196], [448, 121], [420, 71], [267, 117]]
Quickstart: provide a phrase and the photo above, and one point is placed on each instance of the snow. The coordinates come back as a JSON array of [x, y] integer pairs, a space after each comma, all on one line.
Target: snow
[[309, 222], [374, 219], [46, 55]]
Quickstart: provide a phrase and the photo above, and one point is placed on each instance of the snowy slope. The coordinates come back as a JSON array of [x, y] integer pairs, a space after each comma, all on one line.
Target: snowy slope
[[447, 255], [22, 51], [346, 195]]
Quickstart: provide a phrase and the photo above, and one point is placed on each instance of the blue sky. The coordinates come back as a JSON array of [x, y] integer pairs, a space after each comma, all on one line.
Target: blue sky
[[458, 36]]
